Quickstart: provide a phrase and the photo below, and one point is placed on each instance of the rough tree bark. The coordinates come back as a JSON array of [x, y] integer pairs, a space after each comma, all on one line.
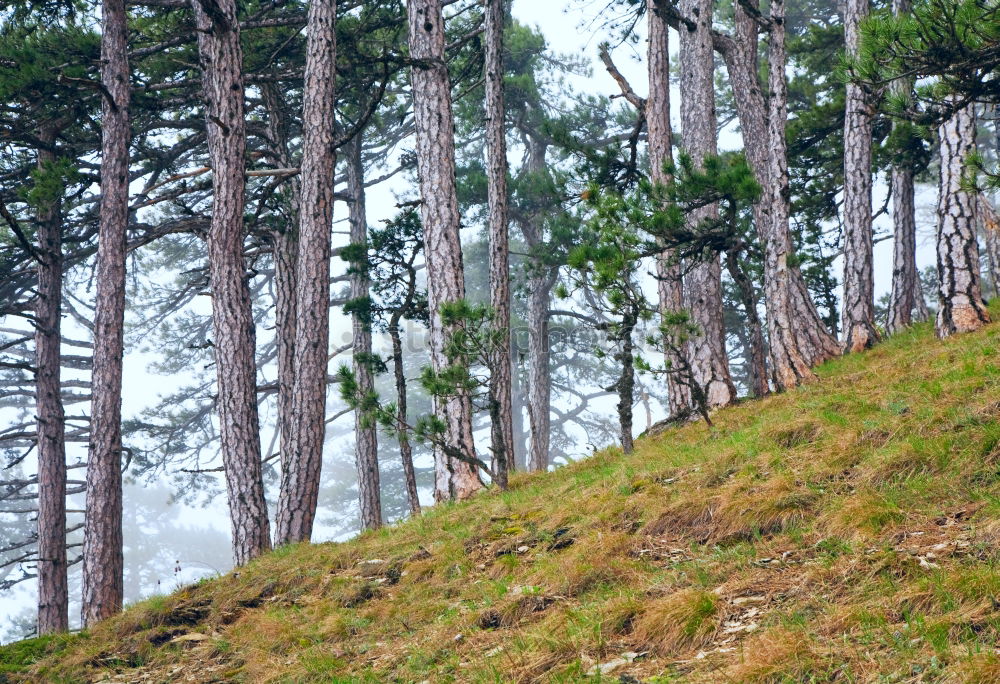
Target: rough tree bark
[[502, 431], [432, 115], [366, 447], [53, 599], [960, 303], [626, 383], [103, 565], [285, 252], [797, 337], [704, 280], [754, 337], [539, 371], [991, 239], [990, 218], [221, 62], [301, 474], [905, 286], [858, 314], [520, 450], [405, 449], [660, 141], [541, 280]]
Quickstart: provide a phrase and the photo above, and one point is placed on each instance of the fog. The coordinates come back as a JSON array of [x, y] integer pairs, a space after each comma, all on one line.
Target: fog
[[176, 534]]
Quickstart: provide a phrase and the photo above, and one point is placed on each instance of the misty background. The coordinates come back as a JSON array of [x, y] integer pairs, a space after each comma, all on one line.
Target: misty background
[[177, 523]]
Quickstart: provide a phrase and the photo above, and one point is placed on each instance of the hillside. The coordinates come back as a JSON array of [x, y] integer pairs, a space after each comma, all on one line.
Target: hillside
[[846, 531]]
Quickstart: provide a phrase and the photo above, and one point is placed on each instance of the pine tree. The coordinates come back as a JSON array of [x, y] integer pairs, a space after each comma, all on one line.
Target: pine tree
[[660, 142], [858, 311], [222, 63], [302, 465], [703, 286], [366, 438], [960, 304], [103, 564], [442, 246], [496, 169]]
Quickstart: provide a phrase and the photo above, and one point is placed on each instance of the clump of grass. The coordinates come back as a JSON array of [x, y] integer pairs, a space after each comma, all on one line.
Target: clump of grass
[[20, 655], [780, 655], [864, 513], [796, 433], [766, 509], [678, 621]]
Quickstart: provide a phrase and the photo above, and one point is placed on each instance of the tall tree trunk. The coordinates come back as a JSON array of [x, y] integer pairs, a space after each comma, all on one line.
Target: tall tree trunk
[[704, 281], [902, 297], [222, 61], [626, 384], [285, 252], [905, 285], [539, 371], [541, 280], [502, 430], [520, 451], [990, 218], [301, 475], [103, 565], [660, 142], [405, 450], [754, 343], [435, 129], [53, 599], [960, 302], [858, 315], [797, 336], [920, 310], [991, 236], [366, 442]]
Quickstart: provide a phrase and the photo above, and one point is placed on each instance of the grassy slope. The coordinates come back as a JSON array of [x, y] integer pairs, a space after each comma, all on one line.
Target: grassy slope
[[846, 531]]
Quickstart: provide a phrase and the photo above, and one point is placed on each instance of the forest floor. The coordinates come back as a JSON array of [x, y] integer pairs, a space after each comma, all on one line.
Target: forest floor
[[845, 531]]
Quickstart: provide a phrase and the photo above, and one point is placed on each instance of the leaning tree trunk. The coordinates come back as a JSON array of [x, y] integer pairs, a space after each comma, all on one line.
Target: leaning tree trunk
[[660, 140], [858, 315], [960, 302], [403, 433], [704, 281], [366, 437], [103, 565], [301, 474], [502, 430], [902, 297], [53, 599], [432, 114], [797, 336], [754, 344], [222, 61]]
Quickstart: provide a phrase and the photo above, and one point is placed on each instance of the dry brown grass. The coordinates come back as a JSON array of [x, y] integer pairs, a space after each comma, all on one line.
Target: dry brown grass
[[780, 655], [844, 531], [680, 621]]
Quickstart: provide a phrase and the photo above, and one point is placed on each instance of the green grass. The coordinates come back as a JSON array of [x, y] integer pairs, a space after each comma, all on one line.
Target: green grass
[[843, 531]]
